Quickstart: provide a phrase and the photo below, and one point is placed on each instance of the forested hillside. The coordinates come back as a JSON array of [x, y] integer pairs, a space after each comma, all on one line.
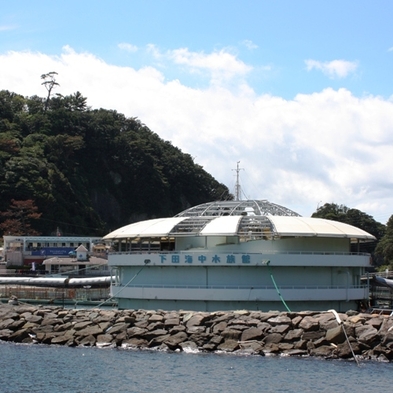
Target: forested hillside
[[64, 165]]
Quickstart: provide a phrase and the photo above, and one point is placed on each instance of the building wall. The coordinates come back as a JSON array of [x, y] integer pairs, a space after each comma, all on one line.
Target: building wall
[[203, 257], [210, 306], [252, 276], [310, 273]]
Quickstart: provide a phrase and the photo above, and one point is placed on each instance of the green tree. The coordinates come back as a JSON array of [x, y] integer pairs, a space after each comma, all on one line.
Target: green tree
[[49, 83], [90, 171], [384, 249]]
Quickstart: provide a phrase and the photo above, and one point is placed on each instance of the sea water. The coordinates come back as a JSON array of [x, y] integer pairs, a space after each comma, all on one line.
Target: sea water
[[57, 369]]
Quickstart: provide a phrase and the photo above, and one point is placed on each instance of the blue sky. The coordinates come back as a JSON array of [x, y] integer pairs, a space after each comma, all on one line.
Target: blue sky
[[300, 92]]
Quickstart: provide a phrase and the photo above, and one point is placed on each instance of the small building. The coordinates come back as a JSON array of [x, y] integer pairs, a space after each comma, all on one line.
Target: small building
[[26, 250], [76, 267], [229, 255]]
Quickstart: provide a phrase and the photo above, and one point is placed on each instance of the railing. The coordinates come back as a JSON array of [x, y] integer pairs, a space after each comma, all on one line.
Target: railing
[[264, 252], [40, 293], [319, 287]]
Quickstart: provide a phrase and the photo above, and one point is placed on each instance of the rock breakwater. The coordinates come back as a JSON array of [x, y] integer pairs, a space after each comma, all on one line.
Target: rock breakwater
[[306, 333]]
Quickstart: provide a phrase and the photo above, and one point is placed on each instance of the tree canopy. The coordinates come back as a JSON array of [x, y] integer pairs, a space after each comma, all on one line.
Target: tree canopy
[[89, 171], [384, 249]]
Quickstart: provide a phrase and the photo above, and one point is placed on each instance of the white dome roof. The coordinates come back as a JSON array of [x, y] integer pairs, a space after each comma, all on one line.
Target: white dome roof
[[239, 218]]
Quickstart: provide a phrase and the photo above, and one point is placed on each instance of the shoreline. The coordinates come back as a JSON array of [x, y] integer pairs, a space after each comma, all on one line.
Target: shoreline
[[359, 336]]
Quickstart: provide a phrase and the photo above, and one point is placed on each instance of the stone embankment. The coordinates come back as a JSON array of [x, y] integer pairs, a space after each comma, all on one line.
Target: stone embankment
[[245, 332]]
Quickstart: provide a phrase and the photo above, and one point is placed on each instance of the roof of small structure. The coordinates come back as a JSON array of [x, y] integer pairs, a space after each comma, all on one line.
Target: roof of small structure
[[73, 261], [254, 219]]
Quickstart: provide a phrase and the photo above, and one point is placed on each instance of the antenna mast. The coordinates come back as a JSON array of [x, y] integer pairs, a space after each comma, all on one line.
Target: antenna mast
[[237, 186]]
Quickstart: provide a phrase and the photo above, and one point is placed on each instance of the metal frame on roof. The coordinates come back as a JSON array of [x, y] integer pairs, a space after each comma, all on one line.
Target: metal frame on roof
[[238, 208]]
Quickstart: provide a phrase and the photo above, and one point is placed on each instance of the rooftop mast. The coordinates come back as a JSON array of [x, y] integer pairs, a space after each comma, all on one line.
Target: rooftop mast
[[237, 185]]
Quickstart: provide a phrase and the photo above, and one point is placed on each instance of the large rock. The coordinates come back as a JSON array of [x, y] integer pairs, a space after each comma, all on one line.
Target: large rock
[[6, 323], [325, 351], [104, 340], [279, 320], [197, 320], [273, 338], [344, 350], [231, 334], [366, 334], [243, 332], [173, 341], [228, 346], [220, 327], [309, 323], [117, 328], [335, 335], [134, 342], [293, 335], [88, 341], [89, 331], [153, 334], [252, 333]]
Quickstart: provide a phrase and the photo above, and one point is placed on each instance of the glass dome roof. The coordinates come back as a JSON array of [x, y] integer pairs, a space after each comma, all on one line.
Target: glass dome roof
[[238, 208]]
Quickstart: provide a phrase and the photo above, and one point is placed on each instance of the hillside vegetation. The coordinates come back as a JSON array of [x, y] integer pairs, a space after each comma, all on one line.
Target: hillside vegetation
[[67, 168]]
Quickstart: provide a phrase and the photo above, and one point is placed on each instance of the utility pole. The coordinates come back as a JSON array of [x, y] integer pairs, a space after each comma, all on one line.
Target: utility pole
[[237, 185]]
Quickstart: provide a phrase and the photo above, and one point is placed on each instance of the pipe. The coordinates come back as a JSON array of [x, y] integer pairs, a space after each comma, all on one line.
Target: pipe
[[345, 333]]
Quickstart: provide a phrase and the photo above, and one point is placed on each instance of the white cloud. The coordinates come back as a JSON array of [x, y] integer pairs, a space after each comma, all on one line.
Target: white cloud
[[250, 45], [334, 68], [222, 65], [219, 66], [329, 146], [127, 47], [7, 27]]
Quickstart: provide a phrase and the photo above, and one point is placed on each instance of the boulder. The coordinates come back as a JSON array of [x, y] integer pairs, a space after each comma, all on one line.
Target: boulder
[[335, 335], [82, 325], [116, 328], [200, 339], [157, 341], [171, 322], [252, 347], [273, 338], [219, 327], [173, 341], [252, 333], [188, 346], [231, 334], [228, 346], [313, 335], [279, 320], [325, 351], [282, 329], [366, 333], [60, 340], [294, 334], [5, 334], [153, 334], [94, 330], [156, 318], [88, 341], [197, 320], [134, 342], [308, 324], [344, 350]]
